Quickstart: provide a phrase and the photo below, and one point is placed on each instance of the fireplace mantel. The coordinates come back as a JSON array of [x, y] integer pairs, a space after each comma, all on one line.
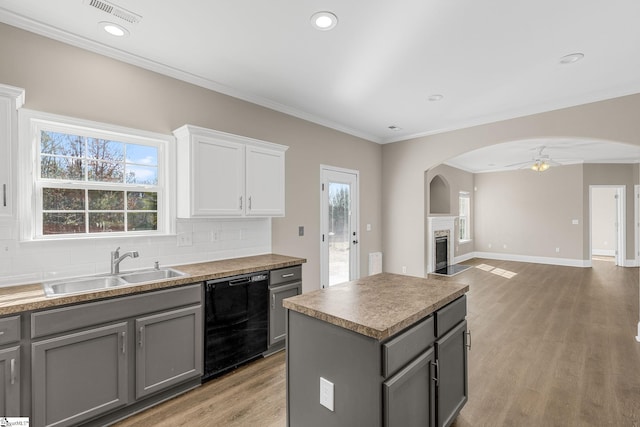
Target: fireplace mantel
[[435, 223]]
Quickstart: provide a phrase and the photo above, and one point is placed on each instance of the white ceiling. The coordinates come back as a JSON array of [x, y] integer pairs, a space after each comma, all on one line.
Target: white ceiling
[[491, 60]]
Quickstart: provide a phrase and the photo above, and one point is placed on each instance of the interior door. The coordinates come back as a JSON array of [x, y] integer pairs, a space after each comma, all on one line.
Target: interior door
[[339, 228]]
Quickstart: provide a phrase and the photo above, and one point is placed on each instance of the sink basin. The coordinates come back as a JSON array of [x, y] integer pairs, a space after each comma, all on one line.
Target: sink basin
[[86, 284], [94, 283], [150, 275]]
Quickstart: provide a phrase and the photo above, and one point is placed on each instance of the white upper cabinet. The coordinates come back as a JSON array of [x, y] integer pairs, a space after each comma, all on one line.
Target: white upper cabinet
[[11, 98], [224, 175]]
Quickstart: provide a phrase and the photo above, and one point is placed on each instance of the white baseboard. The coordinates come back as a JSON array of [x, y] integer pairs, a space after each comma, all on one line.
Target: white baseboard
[[464, 257], [567, 262], [603, 252]]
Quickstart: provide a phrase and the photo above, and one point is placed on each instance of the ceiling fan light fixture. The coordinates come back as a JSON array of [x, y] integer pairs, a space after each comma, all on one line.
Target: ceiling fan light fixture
[[540, 166], [435, 97], [571, 58], [324, 21]]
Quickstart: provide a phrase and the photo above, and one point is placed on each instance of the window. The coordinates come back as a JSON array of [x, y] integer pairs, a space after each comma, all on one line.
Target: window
[[91, 180], [464, 221]]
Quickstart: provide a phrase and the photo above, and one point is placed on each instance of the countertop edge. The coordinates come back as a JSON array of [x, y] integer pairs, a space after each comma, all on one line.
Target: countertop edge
[[31, 297]]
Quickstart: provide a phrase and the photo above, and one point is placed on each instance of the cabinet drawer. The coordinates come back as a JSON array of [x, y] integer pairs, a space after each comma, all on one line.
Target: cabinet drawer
[[400, 350], [9, 330], [450, 315], [284, 275], [64, 319]]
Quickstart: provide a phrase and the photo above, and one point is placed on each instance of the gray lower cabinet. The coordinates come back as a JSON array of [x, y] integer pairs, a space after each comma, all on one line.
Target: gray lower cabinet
[[79, 376], [95, 362], [10, 382], [451, 373], [169, 349], [409, 396], [277, 313]]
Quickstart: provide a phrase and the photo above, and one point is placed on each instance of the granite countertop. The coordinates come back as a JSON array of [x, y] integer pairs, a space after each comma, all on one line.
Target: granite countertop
[[378, 306], [16, 299]]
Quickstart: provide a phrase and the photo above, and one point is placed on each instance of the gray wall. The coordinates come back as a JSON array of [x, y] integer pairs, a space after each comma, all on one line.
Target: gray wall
[[66, 80]]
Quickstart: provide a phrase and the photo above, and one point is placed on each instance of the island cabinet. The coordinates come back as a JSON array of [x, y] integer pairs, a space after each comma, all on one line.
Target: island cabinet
[[224, 175], [283, 283], [10, 366], [388, 363], [104, 359]]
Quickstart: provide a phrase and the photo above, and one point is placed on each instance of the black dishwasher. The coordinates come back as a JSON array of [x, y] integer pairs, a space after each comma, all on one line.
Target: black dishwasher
[[236, 321]]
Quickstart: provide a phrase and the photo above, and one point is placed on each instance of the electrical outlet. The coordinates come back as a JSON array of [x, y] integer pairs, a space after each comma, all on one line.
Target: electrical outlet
[[504, 246], [575, 222], [557, 250], [326, 393], [185, 239], [301, 230], [489, 245], [368, 227], [404, 269]]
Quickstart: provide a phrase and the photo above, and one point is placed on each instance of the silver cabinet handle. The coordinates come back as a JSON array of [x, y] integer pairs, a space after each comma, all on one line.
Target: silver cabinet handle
[[124, 342], [4, 195], [273, 302], [240, 202], [437, 377], [141, 332], [284, 276], [249, 202], [13, 371], [468, 344]]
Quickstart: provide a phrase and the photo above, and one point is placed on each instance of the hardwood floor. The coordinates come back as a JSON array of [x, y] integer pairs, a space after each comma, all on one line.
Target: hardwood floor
[[551, 346]]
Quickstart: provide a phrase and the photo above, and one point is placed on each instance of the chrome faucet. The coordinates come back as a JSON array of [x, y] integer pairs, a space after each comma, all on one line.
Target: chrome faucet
[[116, 258]]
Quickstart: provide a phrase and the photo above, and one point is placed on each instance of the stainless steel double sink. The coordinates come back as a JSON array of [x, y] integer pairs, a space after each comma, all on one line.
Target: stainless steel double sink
[[101, 282]]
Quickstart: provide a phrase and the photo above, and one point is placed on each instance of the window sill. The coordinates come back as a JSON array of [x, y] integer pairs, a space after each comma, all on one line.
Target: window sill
[[465, 241], [86, 238]]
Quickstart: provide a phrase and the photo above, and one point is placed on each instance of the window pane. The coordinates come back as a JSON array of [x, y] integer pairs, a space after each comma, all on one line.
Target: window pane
[[59, 199], [142, 201], [103, 149], [61, 144], [106, 222], [142, 154], [142, 175], [102, 200], [62, 223], [61, 168], [138, 221], [105, 172]]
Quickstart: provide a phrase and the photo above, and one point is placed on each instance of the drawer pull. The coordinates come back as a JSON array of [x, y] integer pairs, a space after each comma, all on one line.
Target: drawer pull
[[124, 342], [141, 332], [249, 202], [273, 302], [437, 377], [13, 371], [468, 343], [4, 195], [284, 276], [240, 202]]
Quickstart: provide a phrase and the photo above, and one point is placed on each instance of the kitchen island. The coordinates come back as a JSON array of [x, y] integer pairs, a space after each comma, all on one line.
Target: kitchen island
[[386, 350]]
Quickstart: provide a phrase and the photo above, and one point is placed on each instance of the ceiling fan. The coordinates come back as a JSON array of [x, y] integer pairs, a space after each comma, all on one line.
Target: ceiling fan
[[539, 163]]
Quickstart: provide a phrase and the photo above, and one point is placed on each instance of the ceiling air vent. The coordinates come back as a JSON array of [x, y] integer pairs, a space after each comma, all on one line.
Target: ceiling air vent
[[114, 10]]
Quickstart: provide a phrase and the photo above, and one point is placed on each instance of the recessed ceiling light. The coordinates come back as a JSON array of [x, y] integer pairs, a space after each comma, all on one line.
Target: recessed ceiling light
[[571, 58], [114, 29], [324, 21], [436, 97]]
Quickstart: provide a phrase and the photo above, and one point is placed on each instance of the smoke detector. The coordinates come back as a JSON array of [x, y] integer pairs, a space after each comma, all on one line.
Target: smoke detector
[[114, 10]]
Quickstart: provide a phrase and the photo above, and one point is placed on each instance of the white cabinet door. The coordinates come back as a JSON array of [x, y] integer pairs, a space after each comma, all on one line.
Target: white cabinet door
[[10, 100], [265, 182], [217, 178]]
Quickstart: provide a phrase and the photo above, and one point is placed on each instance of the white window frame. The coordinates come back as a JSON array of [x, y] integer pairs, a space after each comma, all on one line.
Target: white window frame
[[30, 202], [467, 218]]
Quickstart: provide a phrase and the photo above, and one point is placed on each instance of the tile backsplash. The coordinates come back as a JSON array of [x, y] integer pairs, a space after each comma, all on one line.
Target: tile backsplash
[[196, 241]]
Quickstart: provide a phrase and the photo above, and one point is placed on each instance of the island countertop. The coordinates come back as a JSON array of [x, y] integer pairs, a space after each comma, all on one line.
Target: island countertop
[[377, 306]]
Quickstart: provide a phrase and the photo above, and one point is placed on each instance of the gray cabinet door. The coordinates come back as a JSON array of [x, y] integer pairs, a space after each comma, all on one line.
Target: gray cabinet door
[[79, 376], [168, 349], [10, 382], [409, 396], [277, 313], [451, 354]]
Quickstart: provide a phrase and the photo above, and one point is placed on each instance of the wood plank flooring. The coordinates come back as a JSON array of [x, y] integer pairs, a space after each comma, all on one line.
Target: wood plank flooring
[[551, 346]]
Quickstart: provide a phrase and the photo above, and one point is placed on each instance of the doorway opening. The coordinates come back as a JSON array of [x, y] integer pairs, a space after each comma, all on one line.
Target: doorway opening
[[339, 204], [607, 233]]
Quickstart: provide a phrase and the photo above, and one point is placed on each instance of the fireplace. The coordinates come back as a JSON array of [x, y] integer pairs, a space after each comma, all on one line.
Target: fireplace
[[441, 252]]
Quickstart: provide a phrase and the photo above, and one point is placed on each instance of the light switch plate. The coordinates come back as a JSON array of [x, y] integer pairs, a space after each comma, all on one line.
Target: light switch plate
[[326, 394]]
